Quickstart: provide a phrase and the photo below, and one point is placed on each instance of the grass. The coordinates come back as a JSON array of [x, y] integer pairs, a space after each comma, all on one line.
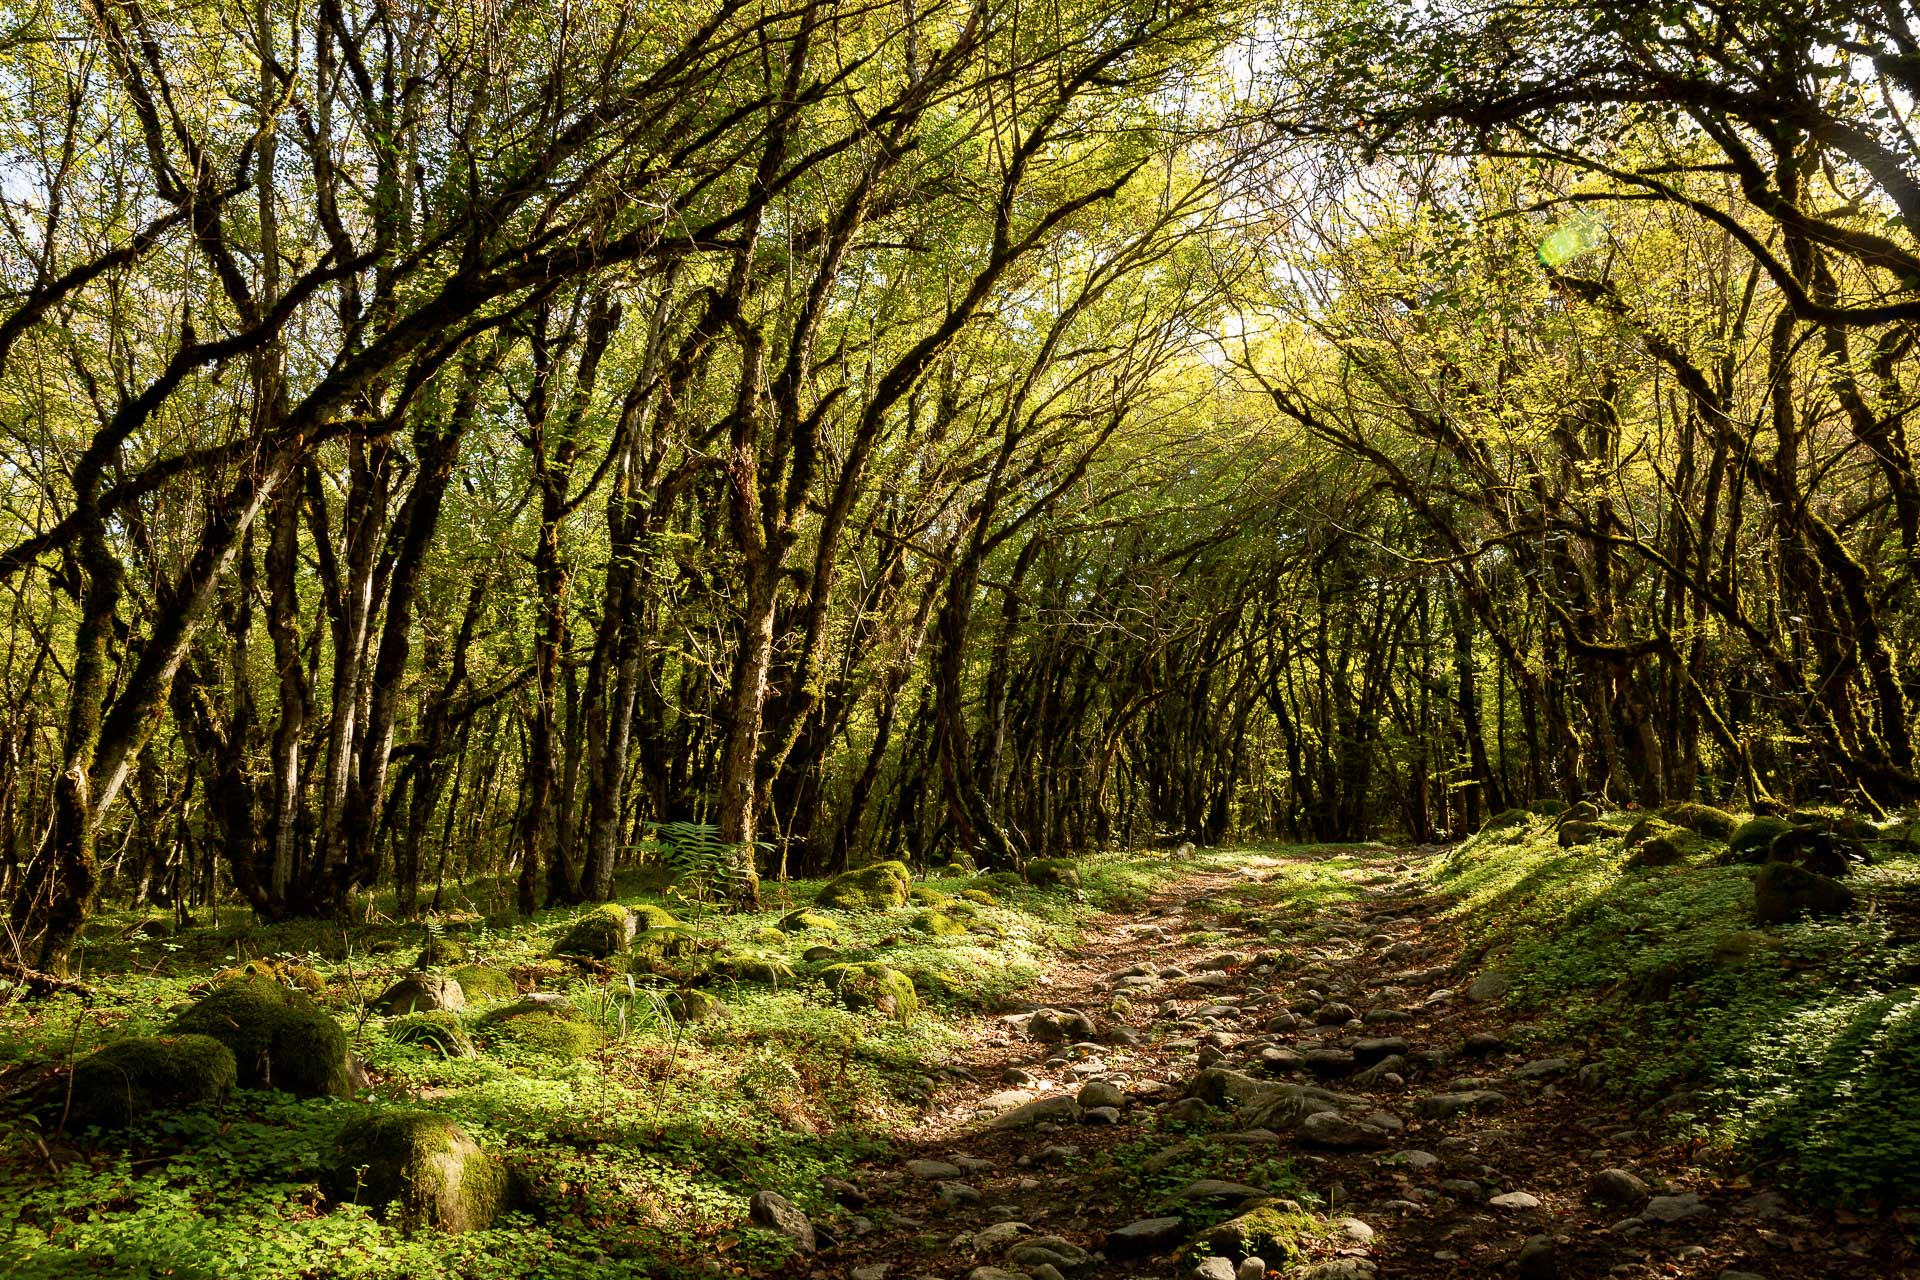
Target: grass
[[634, 1160], [1796, 1046]]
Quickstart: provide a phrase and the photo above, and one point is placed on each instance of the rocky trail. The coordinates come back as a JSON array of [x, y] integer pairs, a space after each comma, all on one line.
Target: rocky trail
[[1230, 1083]]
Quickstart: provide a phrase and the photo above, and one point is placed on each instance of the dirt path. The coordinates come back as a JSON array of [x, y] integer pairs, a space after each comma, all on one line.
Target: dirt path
[[1448, 1153]]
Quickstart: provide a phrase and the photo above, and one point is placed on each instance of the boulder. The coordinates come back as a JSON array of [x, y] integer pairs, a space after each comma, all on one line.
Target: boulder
[[1701, 819], [1272, 1232], [1058, 1107], [658, 934], [1492, 985], [549, 1028], [279, 1037], [1058, 1026], [693, 1005], [484, 984], [127, 1079], [876, 887], [940, 924], [436, 1029], [871, 985], [773, 1211], [1266, 1104], [424, 1162], [1052, 873], [1752, 839], [1145, 1237], [1783, 892], [421, 993], [802, 920], [1671, 847], [1575, 834], [752, 966], [599, 934]]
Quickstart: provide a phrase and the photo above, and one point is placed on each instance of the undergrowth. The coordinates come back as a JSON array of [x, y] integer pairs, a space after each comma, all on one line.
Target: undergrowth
[[1794, 1045]]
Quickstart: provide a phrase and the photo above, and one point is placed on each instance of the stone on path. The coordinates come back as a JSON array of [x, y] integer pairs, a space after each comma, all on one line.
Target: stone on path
[[1101, 1093], [1518, 1201], [1673, 1208], [1058, 1107], [1489, 986], [1342, 1132], [1616, 1186], [1213, 1269], [1538, 1259], [776, 1213], [932, 1170], [992, 1239], [1443, 1105], [1145, 1237]]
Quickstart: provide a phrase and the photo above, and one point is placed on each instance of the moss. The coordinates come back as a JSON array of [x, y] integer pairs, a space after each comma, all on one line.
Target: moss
[[992, 881], [551, 1029], [279, 1037], [820, 954], [129, 1078], [1671, 847], [423, 1162], [747, 966], [873, 986], [284, 972], [870, 888], [1574, 834], [605, 931], [1752, 839], [658, 934], [767, 937], [437, 1029], [418, 992], [1053, 873], [1547, 808], [1701, 819], [1273, 1232], [954, 870], [1508, 818], [483, 984], [980, 896], [928, 896], [938, 923], [1646, 828], [803, 920], [439, 952]]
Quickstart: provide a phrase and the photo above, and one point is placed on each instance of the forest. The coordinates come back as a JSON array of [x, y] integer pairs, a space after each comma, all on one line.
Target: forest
[[948, 475]]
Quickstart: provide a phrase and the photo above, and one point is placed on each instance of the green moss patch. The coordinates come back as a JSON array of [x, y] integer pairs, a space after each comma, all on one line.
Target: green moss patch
[[438, 1029], [127, 1079], [483, 984], [1053, 873], [422, 1163], [873, 986], [600, 934], [279, 1037], [871, 888]]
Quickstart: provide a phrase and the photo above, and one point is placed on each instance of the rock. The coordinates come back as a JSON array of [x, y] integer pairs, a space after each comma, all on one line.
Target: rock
[[1538, 1259], [1339, 1269], [1100, 1115], [1052, 1251], [1342, 1133], [1542, 1068], [843, 1191], [996, 1273], [483, 984], [1516, 1201], [1058, 1107], [1783, 892], [773, 1211], [1482, 1044], [1101, 1093], [1388, 1072], [1145, 1237], [1329, 1062], [1218, 1189], [1185, 1110], [437, 1029], [1382, 1017], [1673, 1208], [992, 1239], [422, 993], [1019, 1076], [1251, 1269], [438, 1175], [1766, 1204], [955, 1194], [1213, 1269], [1273, 1232], [1281, 1061], [599, 934], [1052, 873], [931, 1170], [876, 887], [1738, 1275], [875, 1271], [1333, 1013], [1489, 986], [1414, 1159], [1006, 1098], [1375, 1048], [1225, 960], [1353, 1230], [1443, 1105], [1616, 1186], [132, 1078], [1054, 1026], [280, 1039], [871, 985]]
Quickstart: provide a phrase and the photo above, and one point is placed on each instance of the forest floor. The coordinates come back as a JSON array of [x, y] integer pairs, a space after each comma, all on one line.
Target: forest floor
[[1456, 1196], [1543, 1063]]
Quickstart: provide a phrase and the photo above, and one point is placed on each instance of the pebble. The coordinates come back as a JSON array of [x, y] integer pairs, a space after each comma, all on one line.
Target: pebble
[[1101, 1093], [1251, 1269], [1519, 1201], [1616, 1186], [997, 1237], [1213, 1269], [1673, 1208]]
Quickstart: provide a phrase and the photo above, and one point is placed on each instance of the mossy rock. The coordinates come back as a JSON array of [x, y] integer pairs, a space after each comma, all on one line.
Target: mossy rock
[[483, 984], [279, 1037], [284, 972], [1645, 828], [1752, 839], [1547, 808], [152, 927], [131, 1078], [1784, 892], [659, 934], [422, 1162], [803, 920], [1053, 873], [927, 896], [690, 1005], [1701, 819], [1508, 818], [877, 887], [1585, 811], [873, 986], [820, 954], [600, 934], [552, 1030], [1671, 847], [747, 966], [436, 1029], [954, 871], [440, 952], [992, 881], [1575, 834], [938, 923], [767, 937], [980, 897], [1273, 1232], [422, 993]]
